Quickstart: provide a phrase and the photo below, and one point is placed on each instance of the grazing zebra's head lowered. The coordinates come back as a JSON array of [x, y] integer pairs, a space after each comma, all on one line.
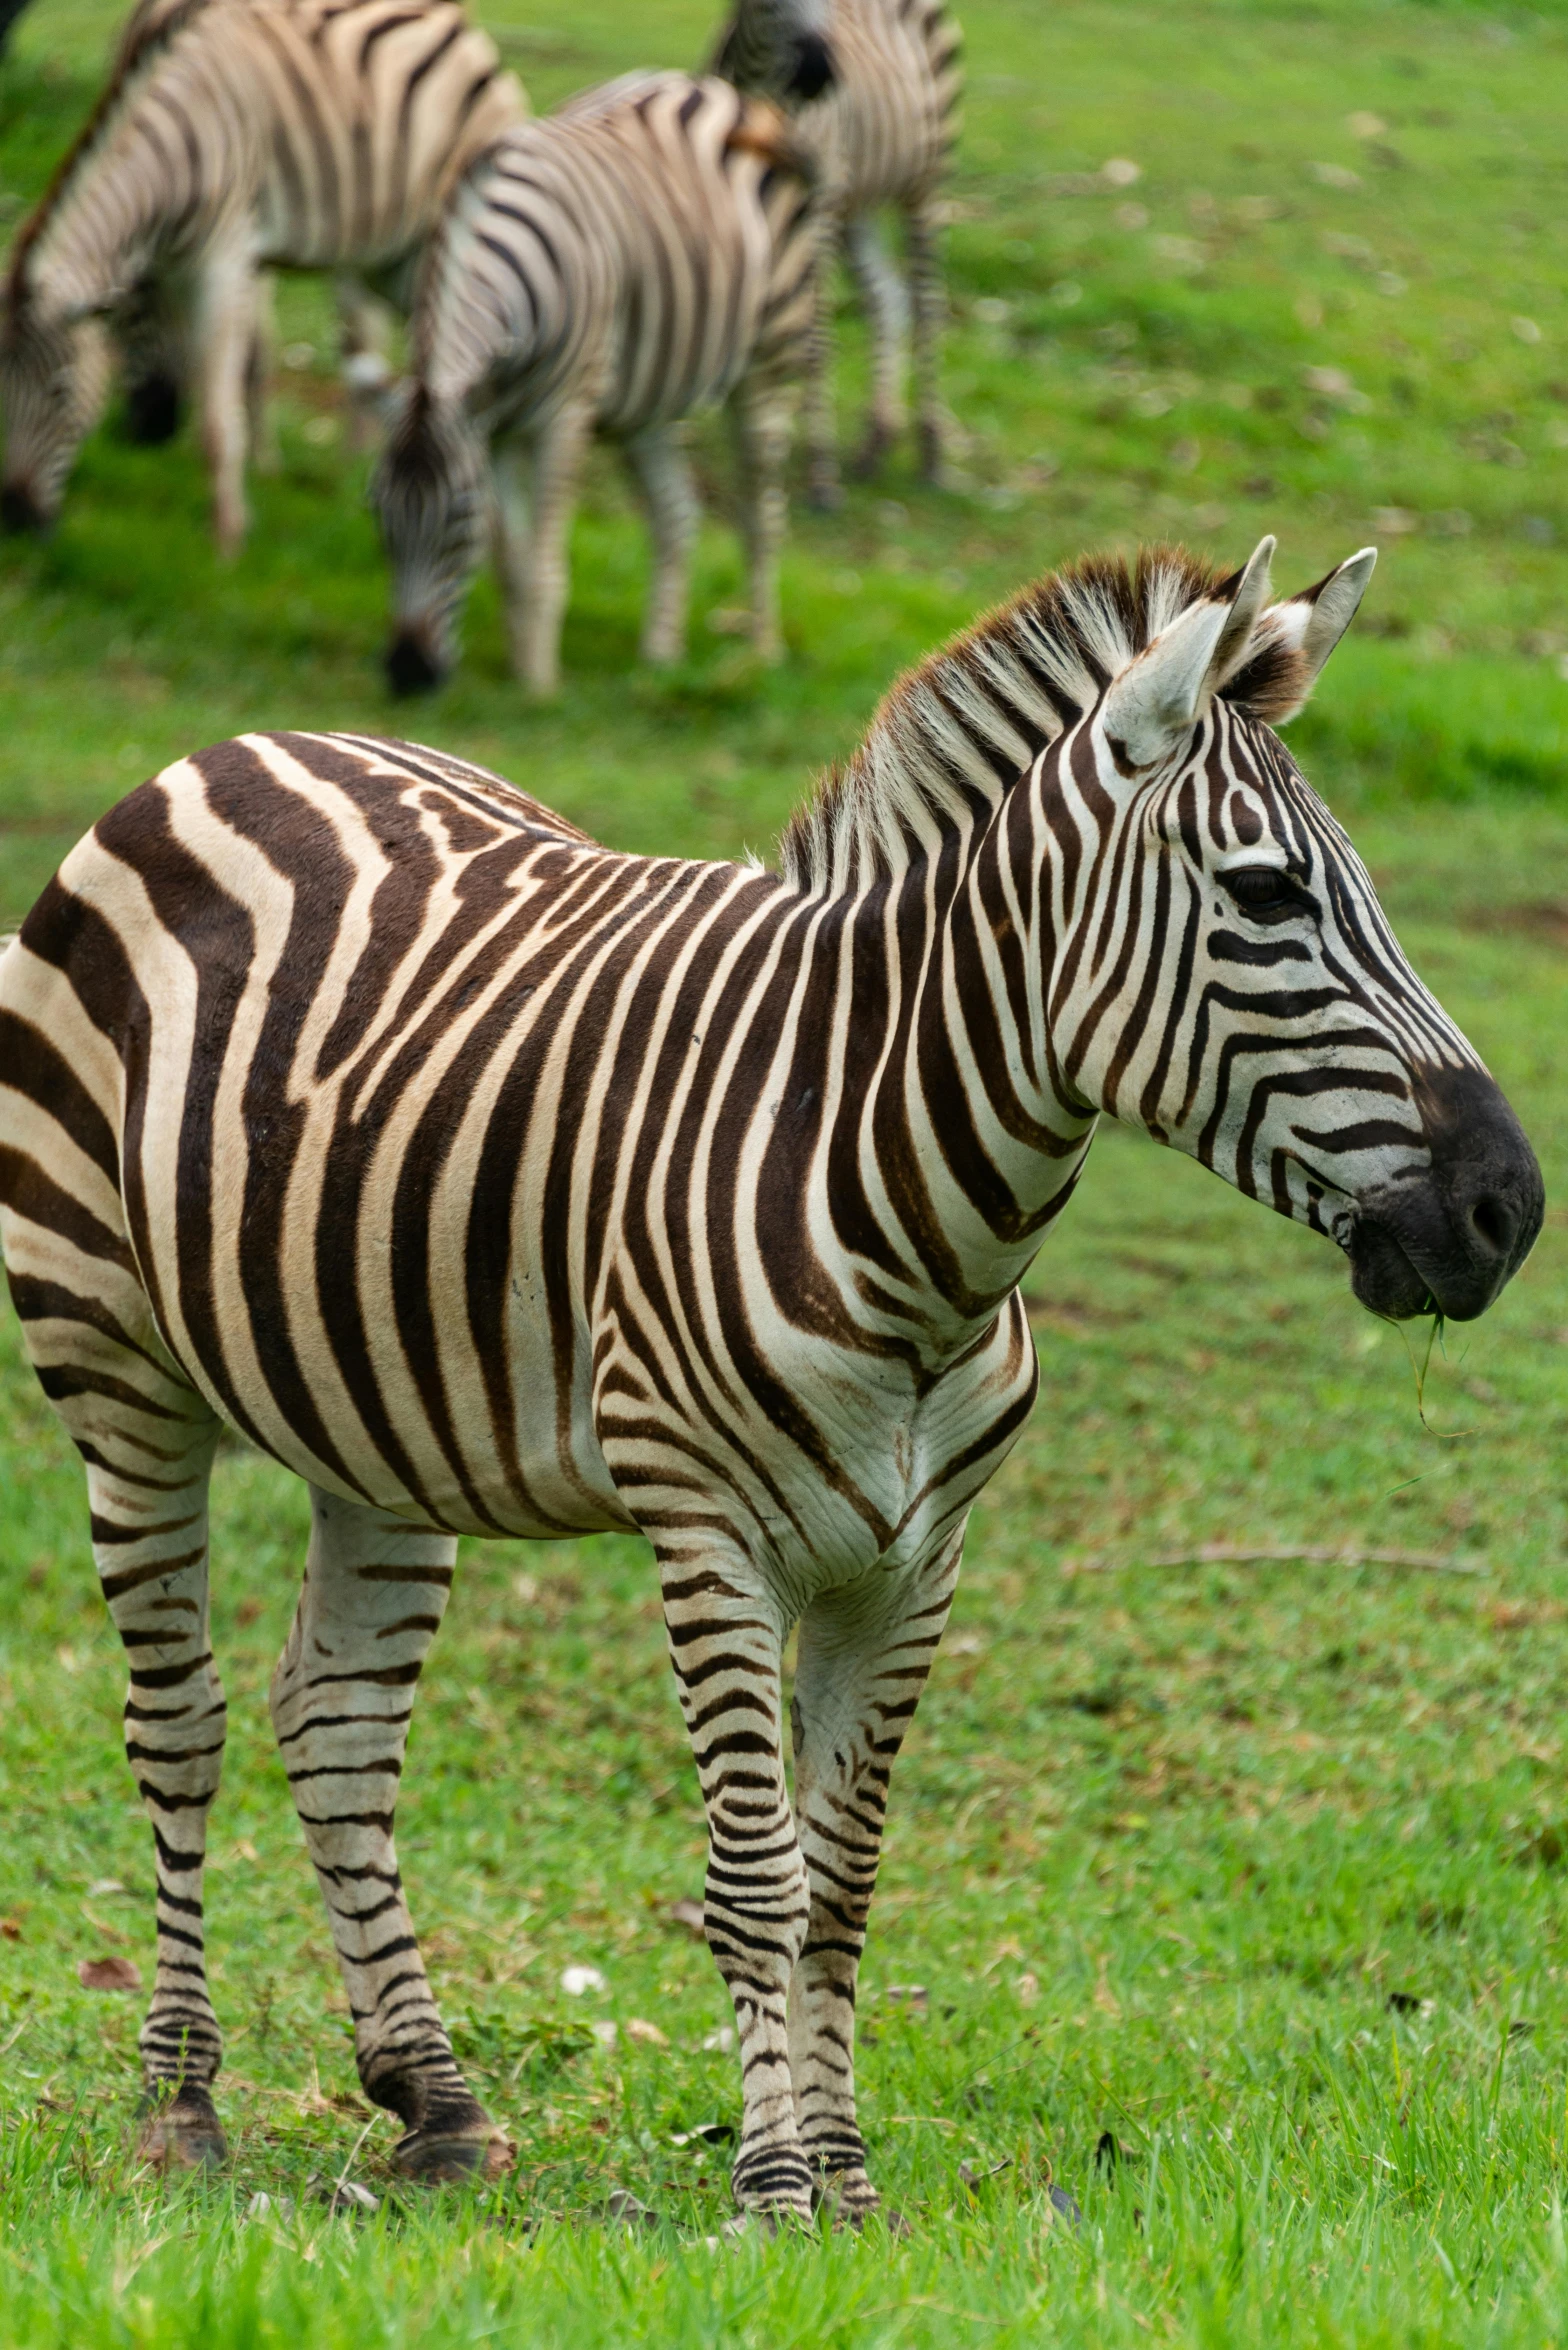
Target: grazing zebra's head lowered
[[1211, 960], [782, 47]]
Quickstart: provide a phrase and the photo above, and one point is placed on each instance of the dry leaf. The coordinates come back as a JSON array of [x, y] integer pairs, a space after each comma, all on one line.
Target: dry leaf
[[719, 2043], [109, 1974], [10, 1931], [1028, 1988], [638, 2029], [690, 1915], [102, 1887], [914, 1995], [575, 1980]]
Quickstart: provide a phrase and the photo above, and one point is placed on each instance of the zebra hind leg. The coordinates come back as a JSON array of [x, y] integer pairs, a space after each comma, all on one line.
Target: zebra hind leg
[[147, 1439], [375, 1591], [886, 304], [760, 417], [725, 1640], [864, 1655]]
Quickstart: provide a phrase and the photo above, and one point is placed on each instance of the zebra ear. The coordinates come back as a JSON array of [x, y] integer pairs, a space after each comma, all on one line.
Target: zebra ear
[[1311, 624], [1152, 707]]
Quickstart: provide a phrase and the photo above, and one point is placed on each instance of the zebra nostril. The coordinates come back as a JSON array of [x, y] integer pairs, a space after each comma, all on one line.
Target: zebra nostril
[[1494, 1225]]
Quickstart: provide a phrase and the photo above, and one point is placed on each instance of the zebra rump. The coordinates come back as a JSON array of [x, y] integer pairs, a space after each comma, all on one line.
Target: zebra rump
[[498, 1183]]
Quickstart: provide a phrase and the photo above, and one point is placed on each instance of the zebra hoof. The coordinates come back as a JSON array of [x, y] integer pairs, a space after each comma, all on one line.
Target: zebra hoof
[[847, 2199], [181, 2132], [446, 2157]]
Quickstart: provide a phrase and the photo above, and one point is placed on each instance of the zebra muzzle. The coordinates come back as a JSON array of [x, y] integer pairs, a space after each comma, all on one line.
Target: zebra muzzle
[[1452, 1238], [412, 667], [20, 511]]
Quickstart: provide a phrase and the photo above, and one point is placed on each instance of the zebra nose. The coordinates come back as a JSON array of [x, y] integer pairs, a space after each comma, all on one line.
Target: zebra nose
[[20, 510], [411, 669], [815, 67]]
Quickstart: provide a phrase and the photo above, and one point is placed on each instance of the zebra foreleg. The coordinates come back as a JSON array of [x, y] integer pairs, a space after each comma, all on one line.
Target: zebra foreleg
[[930, 307], [226, 321], [865, 1651], [725, 1642], [662, 470], [885, 301], [824, 493], [760, 417], [540, 608], [374, 1595]]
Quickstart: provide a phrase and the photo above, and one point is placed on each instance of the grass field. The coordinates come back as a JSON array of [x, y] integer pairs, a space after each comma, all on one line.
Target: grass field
[[1259, 1870]]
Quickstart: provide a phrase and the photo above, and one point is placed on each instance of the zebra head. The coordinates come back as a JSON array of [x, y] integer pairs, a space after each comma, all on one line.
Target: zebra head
[[779, 49], [54, 378], [431, 494], [1222, 972]]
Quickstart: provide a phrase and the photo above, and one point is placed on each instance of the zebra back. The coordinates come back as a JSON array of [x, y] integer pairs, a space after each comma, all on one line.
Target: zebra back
[[652, 231], [335, 128]]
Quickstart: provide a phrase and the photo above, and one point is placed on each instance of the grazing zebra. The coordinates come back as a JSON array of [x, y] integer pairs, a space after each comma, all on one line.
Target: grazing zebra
[[881, 132], [233, 135], [638, 255], [498, 1183]]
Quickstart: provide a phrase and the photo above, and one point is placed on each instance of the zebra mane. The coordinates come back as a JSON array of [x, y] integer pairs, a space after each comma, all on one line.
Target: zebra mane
[[957, 731], [149, 30]]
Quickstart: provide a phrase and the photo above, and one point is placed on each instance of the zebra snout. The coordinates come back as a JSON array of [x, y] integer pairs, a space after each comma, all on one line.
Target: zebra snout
[[152, 411], [815, 69], [20, 510], [1454, 1238], [412, 668]]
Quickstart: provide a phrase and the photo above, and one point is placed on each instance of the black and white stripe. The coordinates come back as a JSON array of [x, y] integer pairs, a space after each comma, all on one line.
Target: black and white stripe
[[499, 1183], [233, 136], [639, 255], [881, 130]]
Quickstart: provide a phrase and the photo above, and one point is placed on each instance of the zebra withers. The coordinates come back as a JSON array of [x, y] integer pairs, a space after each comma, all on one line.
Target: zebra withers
[[232, 136], [495, 1182], [613, 267], [881, 131]]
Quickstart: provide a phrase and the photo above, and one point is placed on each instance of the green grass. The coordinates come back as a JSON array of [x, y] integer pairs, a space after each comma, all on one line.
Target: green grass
[[1167, 1840]]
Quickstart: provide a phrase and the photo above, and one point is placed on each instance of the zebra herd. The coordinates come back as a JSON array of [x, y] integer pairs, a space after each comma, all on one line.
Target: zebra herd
[[652, 248], [499, 1183]]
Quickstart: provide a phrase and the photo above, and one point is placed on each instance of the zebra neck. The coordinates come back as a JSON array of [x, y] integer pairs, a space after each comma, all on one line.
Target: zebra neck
[[110, 207], [948, 1065]]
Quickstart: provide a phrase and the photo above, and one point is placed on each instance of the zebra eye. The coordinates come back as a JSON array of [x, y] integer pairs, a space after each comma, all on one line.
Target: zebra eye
[[1263, 890]]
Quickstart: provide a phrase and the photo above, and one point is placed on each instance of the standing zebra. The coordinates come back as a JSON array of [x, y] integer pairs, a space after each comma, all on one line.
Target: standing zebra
[[640, 254], [881, 132], [233, 135], [501, 1184]]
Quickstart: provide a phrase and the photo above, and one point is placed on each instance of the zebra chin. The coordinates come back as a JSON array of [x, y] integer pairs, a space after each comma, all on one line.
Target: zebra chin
[[1450, 1240]]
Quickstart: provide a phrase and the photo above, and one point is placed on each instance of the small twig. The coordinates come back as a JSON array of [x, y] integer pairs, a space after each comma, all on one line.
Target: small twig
[[1229, 1554]]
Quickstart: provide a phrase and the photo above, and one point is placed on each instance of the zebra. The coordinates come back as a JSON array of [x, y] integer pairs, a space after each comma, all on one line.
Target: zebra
[[232, 136], [881, 130], [498, 1183], [637, 255]]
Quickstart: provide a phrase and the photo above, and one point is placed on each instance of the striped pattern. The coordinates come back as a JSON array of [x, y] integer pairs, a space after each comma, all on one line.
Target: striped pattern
[[233, 135], [640, 255], [498, 1183], [881, 132]]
